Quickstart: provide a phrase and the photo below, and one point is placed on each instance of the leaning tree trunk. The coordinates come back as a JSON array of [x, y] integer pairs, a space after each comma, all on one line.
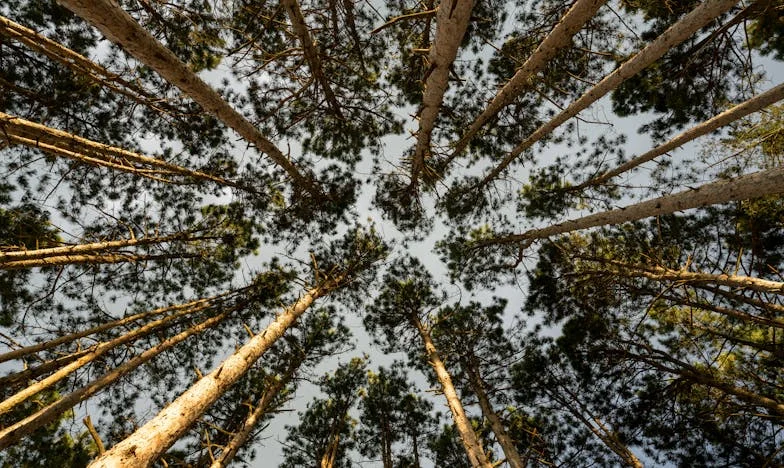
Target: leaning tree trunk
[[48, 414], [561, 36], [743, 109], [471, 443], [506, 443], [311, 52], [96, 352], [702, 15], [758, 184], [145, 445], [68, 145], [451, 23], [82, 65], [120, 28], [98, 259], [240, 437]]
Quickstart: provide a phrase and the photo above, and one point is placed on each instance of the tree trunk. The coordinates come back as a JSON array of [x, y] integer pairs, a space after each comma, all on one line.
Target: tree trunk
[[471, 443], [82, 65], [730, 115], [311, 52], [758, 184], [120, 28], [240, 437], [96, 352], [451, 23], [695, 20], [561, 36], [774, 322], [97, 259], [145, 445], [68, 145], [506, 443], [18, 379], [23, 428]]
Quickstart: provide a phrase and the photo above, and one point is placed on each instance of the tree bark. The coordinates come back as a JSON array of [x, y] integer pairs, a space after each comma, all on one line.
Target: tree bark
[[758, 184], [81, 65], [23, 428], [506, 443], [743, 109], [120, 28], [145, 445], [96, 352], [580, 13], [97, 259], [703, 14], [254, 417], [471, 443], [68, 145], [451, 23], [312, 54]]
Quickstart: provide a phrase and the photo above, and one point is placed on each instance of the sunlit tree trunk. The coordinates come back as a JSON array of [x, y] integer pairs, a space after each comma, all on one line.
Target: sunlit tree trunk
[[97, 259], [703, 14], [120, 28], [561, 35], [471, 443], [730, 115], [68, 145], [758, 184], [451, 23], [145, 445], [25, 427]]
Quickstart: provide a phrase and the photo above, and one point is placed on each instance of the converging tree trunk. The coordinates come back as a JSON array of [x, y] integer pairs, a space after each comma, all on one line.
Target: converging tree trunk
[[119, 27], [473, 447], [703, 14], [145, 445], [451, 23], [561, 35]]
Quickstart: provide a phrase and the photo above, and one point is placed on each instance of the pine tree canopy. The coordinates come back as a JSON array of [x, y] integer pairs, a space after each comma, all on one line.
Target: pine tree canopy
[[354, 233]]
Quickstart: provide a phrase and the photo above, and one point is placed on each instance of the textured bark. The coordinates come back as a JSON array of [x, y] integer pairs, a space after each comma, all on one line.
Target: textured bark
[[81, 65], [506, 443], [28, 350], [68, 145], [25, 427], [471, 443], [451, 23], [683, 276], [703, 14], [743, 109], [561, 36], [120, 28], [240, 437], [312, 54], [96, 352], [758, 184], [145, 445], [89, 259]]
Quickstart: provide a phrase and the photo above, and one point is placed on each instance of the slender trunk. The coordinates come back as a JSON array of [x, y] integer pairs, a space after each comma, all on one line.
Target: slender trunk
[[28, 350], [701, 16], [312, 54], [17, 379], [597, 427], [730, 115], [240, 437], [81, 65], [451, 23], [96, 352], [561, 36], [668, 274], [772, 348], [68, 145], [97, 259], [23, 428], [328, 460], [774, 322], [506, 443], [471, 443], [145, 445], [120, 28], [758, 184], [770, 307]]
